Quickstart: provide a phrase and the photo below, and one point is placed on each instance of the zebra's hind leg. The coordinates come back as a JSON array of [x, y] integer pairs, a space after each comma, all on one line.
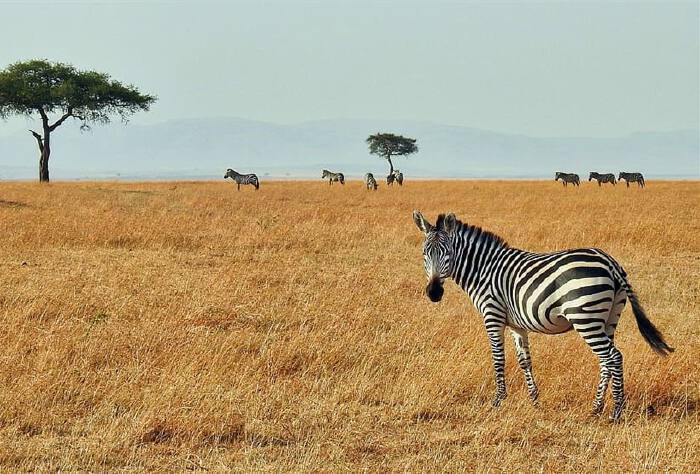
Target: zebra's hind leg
[[593, 331], [603, 381], [618, 385], [615, 359], [605, 374], [522, 350]]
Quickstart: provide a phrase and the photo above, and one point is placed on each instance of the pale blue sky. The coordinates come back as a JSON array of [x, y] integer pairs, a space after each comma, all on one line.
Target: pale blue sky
[[543, 69]]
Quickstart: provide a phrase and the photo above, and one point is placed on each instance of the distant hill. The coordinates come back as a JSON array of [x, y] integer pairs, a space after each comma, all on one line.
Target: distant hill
[[204, 148]]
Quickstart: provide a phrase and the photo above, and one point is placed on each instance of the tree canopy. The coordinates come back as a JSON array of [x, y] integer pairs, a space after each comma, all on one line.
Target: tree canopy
[[91, 97], [387, 145], [44, 87]]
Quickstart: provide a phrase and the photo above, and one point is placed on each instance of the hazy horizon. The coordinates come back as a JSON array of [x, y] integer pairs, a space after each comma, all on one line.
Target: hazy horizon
[[517, 70]]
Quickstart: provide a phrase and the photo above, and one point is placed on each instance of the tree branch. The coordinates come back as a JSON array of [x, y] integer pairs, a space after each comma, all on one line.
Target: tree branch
[[44, 117], [38, 140], [62, 119]]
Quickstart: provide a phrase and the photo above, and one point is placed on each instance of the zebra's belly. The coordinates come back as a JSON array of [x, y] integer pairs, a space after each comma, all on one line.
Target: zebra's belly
[[555, 324]]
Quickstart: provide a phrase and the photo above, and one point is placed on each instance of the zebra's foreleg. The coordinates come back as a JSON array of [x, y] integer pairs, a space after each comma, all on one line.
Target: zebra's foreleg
[[522, 350], [495, 334]]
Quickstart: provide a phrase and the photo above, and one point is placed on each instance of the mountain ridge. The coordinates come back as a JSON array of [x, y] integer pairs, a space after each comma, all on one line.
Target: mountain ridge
[[207, 146]]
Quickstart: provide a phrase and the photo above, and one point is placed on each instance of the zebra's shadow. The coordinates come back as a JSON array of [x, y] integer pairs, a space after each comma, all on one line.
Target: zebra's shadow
[[675, 406], [15, 204]]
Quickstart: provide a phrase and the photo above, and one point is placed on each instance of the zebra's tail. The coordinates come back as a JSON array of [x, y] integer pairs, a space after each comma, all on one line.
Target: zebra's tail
[[649, 332]]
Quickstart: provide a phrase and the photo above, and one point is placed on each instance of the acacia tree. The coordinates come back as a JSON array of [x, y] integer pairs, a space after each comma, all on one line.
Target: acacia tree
[[45, 88], [387, 145]]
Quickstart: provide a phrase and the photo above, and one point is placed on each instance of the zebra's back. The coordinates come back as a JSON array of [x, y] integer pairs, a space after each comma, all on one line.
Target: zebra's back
[[545, 292]]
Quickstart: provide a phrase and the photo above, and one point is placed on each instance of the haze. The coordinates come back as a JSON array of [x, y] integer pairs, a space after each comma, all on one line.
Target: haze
[[548, 69]]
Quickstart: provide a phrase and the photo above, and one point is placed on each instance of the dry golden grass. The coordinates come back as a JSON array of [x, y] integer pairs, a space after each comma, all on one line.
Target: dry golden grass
[[167, 326]]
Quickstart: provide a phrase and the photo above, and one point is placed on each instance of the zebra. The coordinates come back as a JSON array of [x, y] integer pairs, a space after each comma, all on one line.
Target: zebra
[[551, 293], [632, 178], [243, 178], [340, 177], [395, 176], [602, 178], [567, 178], [370, 182]]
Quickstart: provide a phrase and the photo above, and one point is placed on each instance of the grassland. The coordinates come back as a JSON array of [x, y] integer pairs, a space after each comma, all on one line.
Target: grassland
[[171, 326]]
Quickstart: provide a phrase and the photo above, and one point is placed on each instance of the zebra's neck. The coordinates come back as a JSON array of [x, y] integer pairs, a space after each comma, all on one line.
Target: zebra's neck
[[475, 250]]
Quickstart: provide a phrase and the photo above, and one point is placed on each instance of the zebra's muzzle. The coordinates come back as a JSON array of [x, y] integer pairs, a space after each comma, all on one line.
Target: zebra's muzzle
[[434, 290]]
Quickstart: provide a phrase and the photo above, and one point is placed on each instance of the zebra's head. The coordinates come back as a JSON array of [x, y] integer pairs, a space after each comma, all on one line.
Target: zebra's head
[[229, 173], [590, 176], [557, 175], [438, 251]]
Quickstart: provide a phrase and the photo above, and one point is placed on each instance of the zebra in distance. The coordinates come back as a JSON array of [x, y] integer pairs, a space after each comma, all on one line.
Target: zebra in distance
[[602, 178], [632, 178], [339, 177], [567, 178], [370, 182], [395, 176], [551, 293], [242, 178]]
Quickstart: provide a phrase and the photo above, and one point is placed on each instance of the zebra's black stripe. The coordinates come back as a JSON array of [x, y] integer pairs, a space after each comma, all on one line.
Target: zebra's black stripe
[[550, 293]]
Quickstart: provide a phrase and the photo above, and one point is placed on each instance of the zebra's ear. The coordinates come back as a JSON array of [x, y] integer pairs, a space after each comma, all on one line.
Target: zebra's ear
[[423, 225], [450, 223]]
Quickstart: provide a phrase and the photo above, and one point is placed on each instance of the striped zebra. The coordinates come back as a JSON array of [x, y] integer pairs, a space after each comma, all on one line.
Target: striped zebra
[[242, 178], [370, 182], [602, 178], [395, 176], [567, 178], [632, 178], [550, 293], [340, 177]]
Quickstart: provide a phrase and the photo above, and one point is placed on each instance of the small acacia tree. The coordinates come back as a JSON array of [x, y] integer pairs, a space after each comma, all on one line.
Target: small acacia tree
[[44, 88], [387, 145]]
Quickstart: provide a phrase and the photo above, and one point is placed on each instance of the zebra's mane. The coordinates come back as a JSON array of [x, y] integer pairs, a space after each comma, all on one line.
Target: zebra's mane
[[474, 230]]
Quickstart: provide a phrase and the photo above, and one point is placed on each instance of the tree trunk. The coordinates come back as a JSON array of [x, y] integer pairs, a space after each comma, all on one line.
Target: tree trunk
[[44, 158], [44, 144], [391, 165]]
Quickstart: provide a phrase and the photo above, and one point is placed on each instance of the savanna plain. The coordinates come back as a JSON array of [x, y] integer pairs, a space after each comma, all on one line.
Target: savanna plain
[[184, 325]]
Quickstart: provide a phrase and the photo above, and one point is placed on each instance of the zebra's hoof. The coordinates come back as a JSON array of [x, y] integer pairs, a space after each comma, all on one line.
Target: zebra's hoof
[[534, 396], [616, 415], [597, 410], [497, 401], [615, 419]]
